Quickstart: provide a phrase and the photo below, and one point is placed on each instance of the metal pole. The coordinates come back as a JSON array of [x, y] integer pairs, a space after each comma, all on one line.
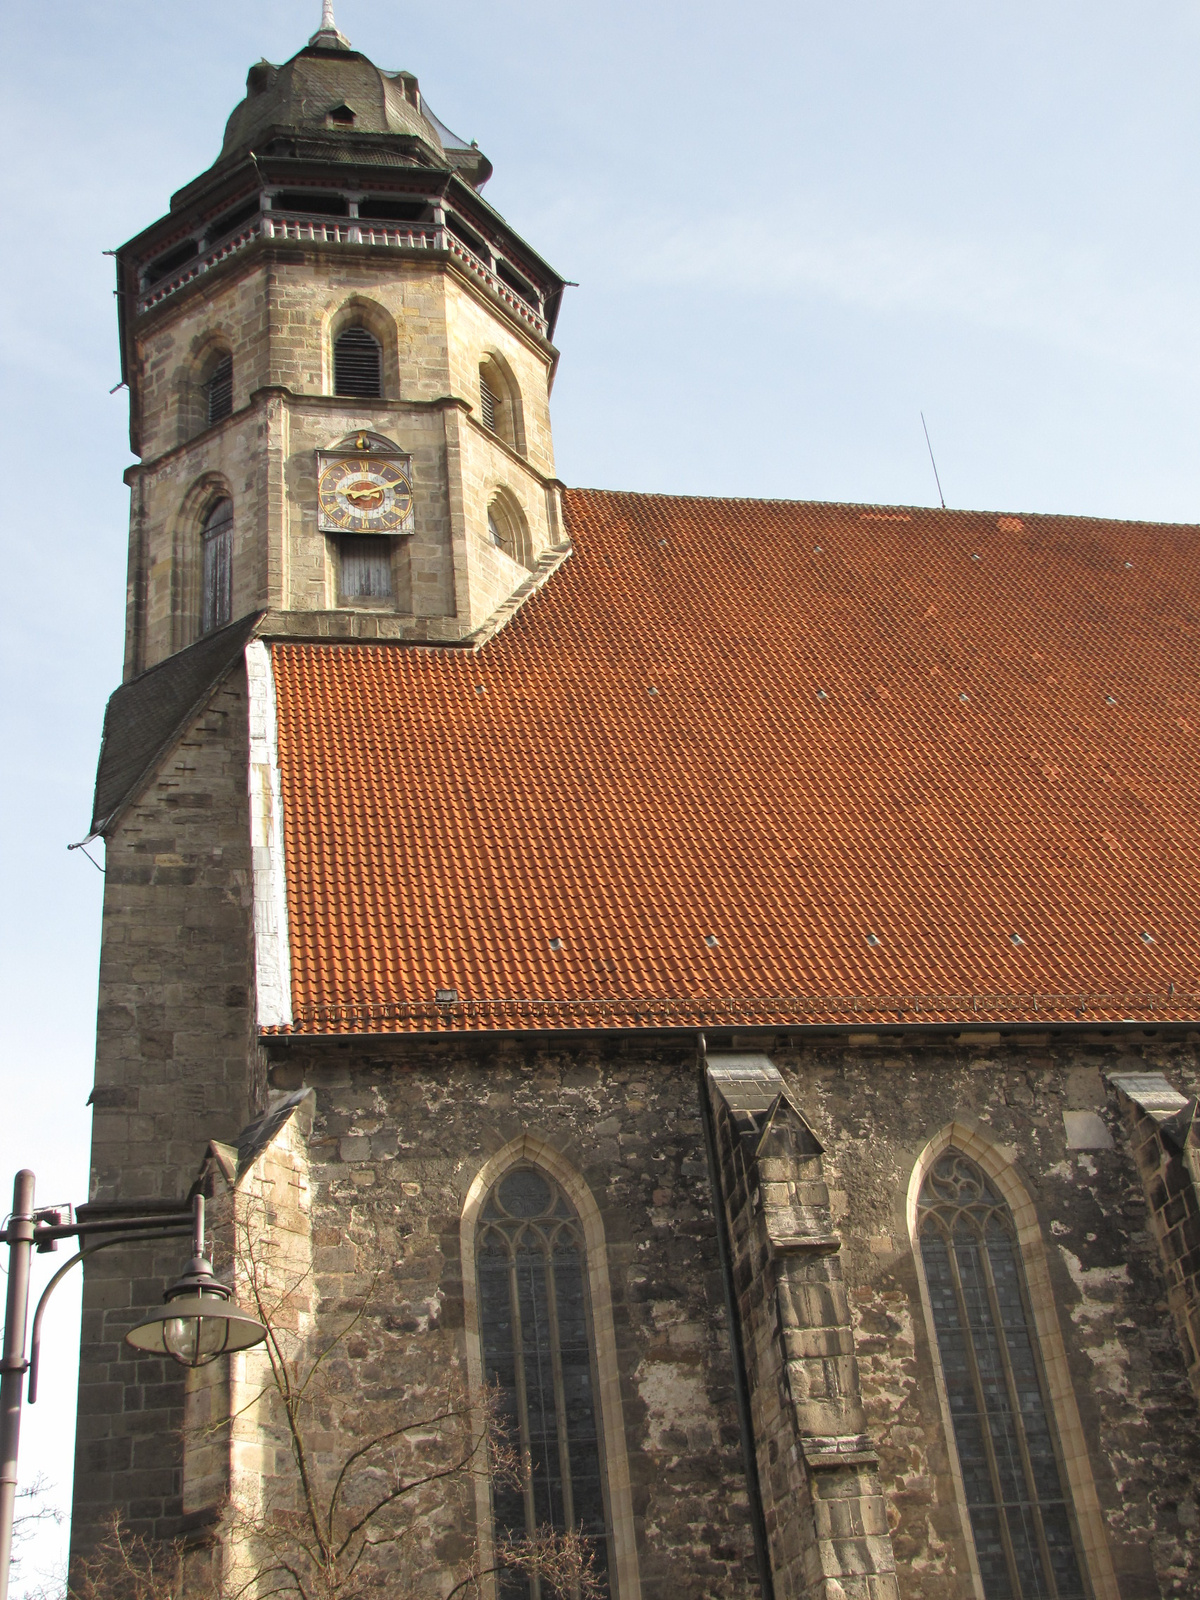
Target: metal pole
[[13, 1364]]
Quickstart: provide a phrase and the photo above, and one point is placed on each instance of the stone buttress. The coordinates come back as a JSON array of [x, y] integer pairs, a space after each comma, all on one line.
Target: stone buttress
[[824, 1512]]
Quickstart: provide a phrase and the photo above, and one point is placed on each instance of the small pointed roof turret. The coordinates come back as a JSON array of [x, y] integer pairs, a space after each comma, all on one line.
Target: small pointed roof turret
[[327, 36]]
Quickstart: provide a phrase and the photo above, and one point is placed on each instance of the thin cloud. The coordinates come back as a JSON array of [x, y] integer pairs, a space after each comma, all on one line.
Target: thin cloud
[[1072, 298]]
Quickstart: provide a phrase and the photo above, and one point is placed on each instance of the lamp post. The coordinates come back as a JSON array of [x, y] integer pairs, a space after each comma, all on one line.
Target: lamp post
[[195, 1326]]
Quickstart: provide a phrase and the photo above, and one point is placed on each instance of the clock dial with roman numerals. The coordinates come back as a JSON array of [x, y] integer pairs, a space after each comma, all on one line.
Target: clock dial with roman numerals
[[364, 494]]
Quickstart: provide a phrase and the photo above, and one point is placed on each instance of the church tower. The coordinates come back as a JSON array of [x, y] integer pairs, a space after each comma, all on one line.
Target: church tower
[[715, 979], [339, 359], [335, 291]]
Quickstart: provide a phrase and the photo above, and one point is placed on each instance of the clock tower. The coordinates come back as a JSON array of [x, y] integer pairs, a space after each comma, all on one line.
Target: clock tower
[[741, 1017], [339, 358], [334, 292]]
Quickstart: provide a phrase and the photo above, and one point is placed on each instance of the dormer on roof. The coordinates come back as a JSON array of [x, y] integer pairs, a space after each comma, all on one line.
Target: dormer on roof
[[298, 98]]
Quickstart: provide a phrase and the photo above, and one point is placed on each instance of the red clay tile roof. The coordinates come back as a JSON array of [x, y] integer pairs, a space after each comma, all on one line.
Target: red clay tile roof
[[731, 744]]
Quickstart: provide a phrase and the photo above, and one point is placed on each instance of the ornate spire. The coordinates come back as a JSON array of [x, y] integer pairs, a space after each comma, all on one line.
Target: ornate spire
[[327, 34]]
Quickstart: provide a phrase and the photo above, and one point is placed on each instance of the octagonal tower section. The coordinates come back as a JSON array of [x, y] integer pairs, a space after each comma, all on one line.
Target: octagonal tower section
[[335, 273]]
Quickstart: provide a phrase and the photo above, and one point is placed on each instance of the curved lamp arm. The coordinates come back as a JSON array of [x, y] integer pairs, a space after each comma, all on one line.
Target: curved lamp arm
[[125, 1238]]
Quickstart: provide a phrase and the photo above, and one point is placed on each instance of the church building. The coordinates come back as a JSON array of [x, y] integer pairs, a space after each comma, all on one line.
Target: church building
[[714, 980]]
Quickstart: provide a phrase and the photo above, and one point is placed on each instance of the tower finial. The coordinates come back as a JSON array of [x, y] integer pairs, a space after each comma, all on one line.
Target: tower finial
[[327, 34]]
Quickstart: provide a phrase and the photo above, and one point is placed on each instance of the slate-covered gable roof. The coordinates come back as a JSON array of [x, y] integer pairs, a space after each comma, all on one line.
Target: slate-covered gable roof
[[759, 762], [145, 716]]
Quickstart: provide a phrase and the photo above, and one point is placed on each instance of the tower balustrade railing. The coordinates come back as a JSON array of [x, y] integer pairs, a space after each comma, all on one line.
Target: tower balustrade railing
[[301, 229]]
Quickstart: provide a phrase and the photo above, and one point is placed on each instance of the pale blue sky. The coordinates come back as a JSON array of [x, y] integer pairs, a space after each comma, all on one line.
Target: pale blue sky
[[794, 226]]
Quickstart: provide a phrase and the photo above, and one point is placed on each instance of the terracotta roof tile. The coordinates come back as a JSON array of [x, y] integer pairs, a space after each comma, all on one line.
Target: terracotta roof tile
[[786, 728]]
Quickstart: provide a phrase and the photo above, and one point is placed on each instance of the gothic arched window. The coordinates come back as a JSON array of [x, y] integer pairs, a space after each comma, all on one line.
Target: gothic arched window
[[216, 543], [500, 402], [218, 392], [507, 530], [536, 1333], [1012, 1475], [358, 364]]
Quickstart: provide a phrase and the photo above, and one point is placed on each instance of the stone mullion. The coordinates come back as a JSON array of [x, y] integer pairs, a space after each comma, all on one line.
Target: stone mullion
[[985, 1430], [560, 1408], [514, 1290], [1018, 1415], [1014, 1401]]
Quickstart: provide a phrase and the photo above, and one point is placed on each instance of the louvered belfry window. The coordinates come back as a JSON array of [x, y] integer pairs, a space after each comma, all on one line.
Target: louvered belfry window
[[1020, 1517], [219, 391], [535, 1323], [358, 364], [487, 403], [217, 561]]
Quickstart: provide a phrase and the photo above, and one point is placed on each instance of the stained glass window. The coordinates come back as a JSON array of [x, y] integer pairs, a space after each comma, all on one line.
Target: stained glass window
[[1020, 1516], [535, 1324]]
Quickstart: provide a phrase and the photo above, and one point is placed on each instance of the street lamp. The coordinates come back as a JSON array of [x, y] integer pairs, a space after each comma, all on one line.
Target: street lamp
[[196, 1325]]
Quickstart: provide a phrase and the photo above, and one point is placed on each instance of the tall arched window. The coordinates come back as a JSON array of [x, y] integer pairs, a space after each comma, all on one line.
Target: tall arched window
[[1021, 1519], [536, 1334], [487, 401], [218, 392], [500, 402], [358, 364], [216, 543]]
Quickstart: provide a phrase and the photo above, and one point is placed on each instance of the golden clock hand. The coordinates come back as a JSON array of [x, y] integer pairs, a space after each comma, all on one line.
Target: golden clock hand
[[361, 494]]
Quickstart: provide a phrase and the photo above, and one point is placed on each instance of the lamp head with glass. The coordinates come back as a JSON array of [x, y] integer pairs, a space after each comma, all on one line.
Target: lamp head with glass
[[197, 1323]]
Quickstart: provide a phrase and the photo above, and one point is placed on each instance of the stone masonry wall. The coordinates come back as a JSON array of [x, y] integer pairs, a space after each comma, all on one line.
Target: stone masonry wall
[[874, 1104], [401, 1129], [175, 1066], [278, 312], [402, 1126]]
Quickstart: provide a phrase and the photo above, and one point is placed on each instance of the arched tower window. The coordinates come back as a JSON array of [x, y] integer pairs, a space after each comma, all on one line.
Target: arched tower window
[[218, 392], [538, 1350], [487, 401], [1021, 1519], [507, 530], [216, 543], [358, 364], [500, 403]]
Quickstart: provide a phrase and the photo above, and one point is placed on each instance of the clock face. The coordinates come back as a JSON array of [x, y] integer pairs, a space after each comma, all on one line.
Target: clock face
[[364, 494]]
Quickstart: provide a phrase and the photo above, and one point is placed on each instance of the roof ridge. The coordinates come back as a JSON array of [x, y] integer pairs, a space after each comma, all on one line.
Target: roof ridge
[[873, 505]]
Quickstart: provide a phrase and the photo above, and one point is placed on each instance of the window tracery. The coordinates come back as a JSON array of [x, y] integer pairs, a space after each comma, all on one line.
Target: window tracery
[[1021, 1519], [537, 1345]]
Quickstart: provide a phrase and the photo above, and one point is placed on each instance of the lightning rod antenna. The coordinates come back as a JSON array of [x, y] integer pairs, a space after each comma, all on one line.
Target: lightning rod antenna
[[933, 463]]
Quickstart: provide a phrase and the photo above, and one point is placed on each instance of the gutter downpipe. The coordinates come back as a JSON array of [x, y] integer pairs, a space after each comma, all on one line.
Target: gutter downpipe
[[758, 1523]]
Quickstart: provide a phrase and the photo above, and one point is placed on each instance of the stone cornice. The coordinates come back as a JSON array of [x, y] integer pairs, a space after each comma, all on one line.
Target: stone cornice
[[335, 402]]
